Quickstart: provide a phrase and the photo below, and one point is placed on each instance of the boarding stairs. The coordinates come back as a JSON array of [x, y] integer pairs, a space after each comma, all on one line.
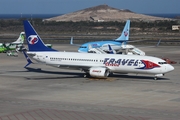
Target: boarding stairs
[[130, 49], [97, 51]]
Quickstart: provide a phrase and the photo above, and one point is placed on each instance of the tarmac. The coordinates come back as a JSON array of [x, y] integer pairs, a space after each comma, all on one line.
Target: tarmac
[[46, 93]]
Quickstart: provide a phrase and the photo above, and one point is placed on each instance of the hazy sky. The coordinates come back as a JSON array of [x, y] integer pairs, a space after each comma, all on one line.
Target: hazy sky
[[67, 6]]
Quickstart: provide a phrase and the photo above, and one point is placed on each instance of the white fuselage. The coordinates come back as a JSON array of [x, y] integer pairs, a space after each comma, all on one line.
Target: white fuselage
[[114, 63]]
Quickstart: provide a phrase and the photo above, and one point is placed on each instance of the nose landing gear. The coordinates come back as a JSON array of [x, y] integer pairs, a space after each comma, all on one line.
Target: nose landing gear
[[158, 75]]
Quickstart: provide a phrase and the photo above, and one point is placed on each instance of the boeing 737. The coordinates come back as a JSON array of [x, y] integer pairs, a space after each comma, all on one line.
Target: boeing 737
[[115, 44], [4, 47], [95, 65]]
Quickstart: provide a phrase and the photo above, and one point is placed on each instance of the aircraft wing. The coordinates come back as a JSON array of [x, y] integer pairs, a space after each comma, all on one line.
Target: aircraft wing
[[154, 45], [145, 40]]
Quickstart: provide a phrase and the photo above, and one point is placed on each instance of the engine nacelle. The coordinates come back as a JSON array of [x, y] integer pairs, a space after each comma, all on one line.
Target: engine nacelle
[[99, 72]]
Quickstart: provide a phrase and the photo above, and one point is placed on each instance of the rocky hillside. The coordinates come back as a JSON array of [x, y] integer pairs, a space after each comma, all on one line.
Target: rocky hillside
[[103, 13]]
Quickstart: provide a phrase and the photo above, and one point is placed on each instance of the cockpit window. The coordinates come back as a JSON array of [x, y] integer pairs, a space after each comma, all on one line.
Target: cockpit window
[[83, 47], [161, 63]]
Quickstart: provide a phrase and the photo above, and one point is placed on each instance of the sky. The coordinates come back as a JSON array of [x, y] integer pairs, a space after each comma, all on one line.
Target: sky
[[68, 6]]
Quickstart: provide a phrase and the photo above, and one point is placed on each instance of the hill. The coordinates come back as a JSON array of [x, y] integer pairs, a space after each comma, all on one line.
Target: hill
[[103, 13]]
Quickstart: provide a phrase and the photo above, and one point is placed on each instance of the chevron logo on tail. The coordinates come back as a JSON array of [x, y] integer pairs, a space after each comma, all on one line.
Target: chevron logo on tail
[[32, 39]]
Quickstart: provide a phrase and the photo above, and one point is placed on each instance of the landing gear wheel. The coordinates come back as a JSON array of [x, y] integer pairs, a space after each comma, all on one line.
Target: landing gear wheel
[[155, 78], [86, 75], [111, 74]]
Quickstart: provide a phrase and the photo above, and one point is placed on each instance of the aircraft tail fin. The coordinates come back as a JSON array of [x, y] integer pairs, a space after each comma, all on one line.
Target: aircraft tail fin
[[125, 33], [34, 41], [21, 38], [27, 58], [111, 51]]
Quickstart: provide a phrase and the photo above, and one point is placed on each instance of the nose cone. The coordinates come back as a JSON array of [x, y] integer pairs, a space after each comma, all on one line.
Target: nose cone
[[79, 50], [170, 68], [82, 50]]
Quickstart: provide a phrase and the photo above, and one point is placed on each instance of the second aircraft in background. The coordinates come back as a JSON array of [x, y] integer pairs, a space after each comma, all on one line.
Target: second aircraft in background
[[118, 45], [17, 45], [115, 44]]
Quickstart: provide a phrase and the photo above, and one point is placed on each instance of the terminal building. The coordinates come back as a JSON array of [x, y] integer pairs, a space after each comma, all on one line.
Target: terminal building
[[175, 27]]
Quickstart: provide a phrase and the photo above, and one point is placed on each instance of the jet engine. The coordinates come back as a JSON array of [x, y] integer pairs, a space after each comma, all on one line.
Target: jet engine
[[99, 72]]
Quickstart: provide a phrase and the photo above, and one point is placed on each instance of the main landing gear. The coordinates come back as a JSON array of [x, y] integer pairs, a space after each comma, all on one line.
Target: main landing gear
[[155, 78]]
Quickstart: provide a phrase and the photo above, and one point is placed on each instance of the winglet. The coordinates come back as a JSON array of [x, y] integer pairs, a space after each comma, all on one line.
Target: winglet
[[158, 43], [27, 58], [123, 44], [71, 42], [111, 51], [125, 33]]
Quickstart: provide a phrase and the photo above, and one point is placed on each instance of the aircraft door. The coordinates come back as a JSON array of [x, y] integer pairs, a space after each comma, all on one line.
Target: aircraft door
[[45, 58]]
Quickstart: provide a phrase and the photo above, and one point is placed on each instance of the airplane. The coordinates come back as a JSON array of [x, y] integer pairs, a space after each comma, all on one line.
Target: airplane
[[94, 65], [4, 47], [115, 44]]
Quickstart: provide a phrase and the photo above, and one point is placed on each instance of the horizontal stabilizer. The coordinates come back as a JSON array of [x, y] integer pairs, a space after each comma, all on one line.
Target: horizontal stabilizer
[[28, 59]]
